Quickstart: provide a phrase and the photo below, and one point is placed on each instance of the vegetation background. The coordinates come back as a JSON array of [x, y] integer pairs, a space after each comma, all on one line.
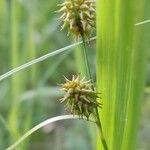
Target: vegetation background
[[29, 29]]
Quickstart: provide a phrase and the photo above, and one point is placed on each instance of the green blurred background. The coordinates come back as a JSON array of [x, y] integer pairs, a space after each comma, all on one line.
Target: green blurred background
[[29, 29]]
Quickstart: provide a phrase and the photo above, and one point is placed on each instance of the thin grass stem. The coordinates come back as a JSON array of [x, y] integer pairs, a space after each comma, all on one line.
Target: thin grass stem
[[42, 124], [143, 22], [99, 125], [98, 122], [87, 66], [40, 59]]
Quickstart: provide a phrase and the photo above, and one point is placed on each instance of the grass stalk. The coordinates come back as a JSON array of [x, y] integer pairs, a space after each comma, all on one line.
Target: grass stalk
[[42, 124], [79, 62], [89, 75], [86, 61], [3, 29], [142, 22], [15, 81], [33, 77], [40, 59]]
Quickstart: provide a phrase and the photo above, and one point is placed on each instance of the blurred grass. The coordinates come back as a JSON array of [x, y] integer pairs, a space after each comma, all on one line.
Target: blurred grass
[[30, 45], [16, 85], [29, 30]]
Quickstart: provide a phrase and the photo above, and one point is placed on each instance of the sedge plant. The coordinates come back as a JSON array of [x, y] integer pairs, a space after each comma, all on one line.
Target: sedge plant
[[79, 17], [81, 96], [121, 93]]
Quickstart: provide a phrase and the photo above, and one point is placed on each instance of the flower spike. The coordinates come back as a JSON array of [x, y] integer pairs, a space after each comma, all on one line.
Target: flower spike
[[79, 98], [78, 16]]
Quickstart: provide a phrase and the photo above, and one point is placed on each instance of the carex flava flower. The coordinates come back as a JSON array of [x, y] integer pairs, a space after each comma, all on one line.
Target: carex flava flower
[[79, 98], [78, 16]]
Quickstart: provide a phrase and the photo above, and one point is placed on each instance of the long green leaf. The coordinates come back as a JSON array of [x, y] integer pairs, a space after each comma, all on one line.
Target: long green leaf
[[142, 22], [121, 66], [15, 81], [42, 124], [42, 58]]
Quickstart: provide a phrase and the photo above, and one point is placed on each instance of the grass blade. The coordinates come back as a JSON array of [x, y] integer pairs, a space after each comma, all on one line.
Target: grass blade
[[15, 81], [142, 22], [122, 51], [42, 58], [37, 127]]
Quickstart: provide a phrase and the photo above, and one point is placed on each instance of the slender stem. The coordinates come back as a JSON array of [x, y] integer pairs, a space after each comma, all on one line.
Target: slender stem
[[99, 125], [40, 59], [143, 22], [78, 22], [40, 125], [88, 72]]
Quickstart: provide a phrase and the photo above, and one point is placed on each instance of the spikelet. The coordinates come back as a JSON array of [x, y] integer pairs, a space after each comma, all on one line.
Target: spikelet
[[78, 16], [79, 97]]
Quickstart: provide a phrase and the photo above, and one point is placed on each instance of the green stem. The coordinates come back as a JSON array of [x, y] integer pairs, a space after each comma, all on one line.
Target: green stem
[[89, 75], [99, 125], [88, 72]]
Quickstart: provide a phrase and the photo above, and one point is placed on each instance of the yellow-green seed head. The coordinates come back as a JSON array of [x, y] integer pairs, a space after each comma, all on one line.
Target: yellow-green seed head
[[78, 16], [79, 98]]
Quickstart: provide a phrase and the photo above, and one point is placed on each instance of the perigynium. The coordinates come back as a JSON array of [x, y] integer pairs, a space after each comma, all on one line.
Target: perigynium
[[78, 16], [80, 98]]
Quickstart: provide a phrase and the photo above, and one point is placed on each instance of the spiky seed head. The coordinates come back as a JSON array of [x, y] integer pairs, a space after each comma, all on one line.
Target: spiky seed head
[[79, 98], [78, 16]]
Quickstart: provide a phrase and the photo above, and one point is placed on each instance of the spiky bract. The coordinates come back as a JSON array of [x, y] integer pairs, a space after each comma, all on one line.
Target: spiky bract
[[80, 98]]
